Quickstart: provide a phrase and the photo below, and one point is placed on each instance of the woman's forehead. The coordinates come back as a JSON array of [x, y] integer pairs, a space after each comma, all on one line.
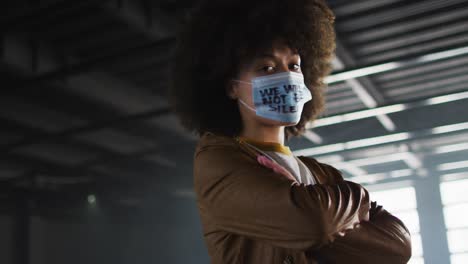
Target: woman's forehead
[[277, 54], [277, 50], [280, 47]]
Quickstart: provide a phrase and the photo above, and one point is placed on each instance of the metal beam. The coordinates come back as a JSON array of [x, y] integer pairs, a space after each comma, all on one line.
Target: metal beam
[[346, 60], [381, 140], [39, 137], [139, 15], [104, 155], [23, 17], [368, 93], [101, 61], [372, 69], [18, 55], [143, 17], [362, 114]]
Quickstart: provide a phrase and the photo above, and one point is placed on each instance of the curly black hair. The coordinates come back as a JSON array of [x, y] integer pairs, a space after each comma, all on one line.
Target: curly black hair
[[224, 35]]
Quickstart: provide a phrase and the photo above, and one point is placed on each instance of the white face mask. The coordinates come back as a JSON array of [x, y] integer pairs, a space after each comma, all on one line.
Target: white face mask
[[280, 97]]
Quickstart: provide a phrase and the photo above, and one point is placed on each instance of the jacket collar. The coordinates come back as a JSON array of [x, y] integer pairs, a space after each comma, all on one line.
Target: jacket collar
[[210, 139]]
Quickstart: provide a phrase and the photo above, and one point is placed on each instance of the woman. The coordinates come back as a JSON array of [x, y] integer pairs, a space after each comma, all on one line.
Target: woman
[[247, 77]]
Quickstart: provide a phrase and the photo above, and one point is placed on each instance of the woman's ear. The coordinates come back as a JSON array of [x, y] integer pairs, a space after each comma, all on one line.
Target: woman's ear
[[232, 91]]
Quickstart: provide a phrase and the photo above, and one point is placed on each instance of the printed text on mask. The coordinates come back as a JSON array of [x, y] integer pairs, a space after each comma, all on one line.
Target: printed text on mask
[[277, 102]]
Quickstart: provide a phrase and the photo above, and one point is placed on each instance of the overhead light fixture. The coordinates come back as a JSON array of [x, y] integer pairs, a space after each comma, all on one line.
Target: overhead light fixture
[[369, 178], [352, 74], [326, 121], [443, 54], [320, 150], [337, 147], [450, 128], [350, 168], [451, 148], [375, 112], [453, 165], [447, 98], [376, 140], [312, 136], [454, 176], [406, 157], [330, 158], [385, 67], [386, 122], [361, 92], [401, 173], [376, 177]]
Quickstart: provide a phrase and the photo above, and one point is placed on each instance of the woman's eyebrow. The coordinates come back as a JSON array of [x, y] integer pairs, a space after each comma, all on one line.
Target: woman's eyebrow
[[267, 55]]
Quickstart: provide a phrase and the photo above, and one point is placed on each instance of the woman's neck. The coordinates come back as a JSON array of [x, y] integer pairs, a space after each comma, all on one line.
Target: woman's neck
[[264, 133]]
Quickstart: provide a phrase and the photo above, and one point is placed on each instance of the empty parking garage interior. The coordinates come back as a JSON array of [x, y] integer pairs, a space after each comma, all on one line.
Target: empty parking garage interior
[[96, 168]]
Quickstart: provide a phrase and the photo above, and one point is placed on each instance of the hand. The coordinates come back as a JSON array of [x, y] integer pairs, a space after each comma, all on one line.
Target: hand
[[275, 167]]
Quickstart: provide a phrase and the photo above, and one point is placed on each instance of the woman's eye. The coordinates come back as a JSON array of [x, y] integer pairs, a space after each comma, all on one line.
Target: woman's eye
[[268, 69], [296, 67]]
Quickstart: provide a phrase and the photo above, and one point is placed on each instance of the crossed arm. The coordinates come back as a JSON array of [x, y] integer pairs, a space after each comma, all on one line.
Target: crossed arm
[[248, 199]]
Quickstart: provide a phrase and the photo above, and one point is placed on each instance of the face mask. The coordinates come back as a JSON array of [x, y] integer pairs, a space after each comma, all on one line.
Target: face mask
[[280, 97]]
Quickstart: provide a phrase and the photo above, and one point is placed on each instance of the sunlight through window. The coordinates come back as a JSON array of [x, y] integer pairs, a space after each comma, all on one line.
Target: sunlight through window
[[401, 202], [455, 201]]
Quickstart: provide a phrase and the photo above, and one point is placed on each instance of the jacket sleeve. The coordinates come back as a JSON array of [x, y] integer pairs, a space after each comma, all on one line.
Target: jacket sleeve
[[383, 239], [245, 198]]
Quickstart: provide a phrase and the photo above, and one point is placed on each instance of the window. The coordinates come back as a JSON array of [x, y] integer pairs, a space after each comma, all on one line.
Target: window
[[455, 202], [401, 202]]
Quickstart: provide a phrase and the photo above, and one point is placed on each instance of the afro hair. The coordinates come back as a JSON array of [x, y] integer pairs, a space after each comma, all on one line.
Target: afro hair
[[223, 35]]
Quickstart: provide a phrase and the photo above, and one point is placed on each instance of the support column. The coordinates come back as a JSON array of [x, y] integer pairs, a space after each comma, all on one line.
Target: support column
[[433, 231]]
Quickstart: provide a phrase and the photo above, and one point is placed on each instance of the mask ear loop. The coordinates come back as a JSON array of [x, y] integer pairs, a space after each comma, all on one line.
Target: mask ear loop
[[241, 81], [241, 101], [246, 105]]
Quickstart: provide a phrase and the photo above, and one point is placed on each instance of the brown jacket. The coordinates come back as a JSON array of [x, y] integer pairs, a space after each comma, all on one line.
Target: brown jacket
[[251, 214]]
